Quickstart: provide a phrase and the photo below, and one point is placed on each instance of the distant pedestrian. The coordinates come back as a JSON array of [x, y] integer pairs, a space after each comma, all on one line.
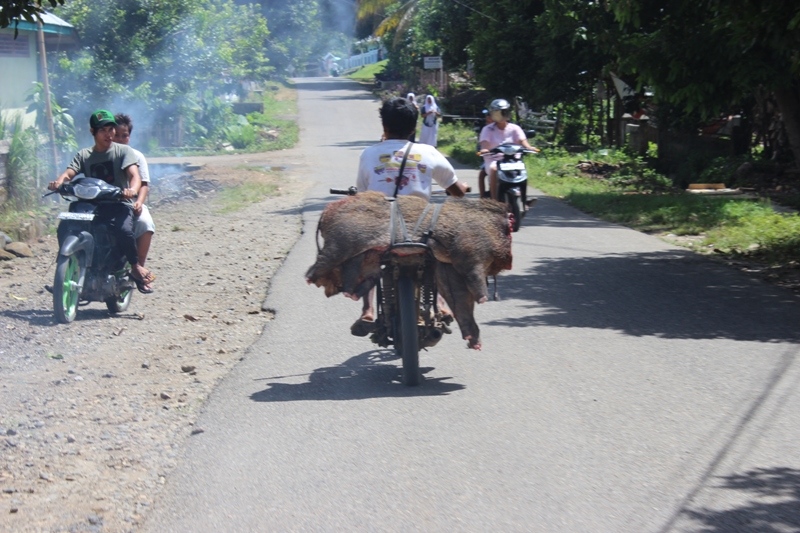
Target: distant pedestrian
[[413, 100], [430, 121]]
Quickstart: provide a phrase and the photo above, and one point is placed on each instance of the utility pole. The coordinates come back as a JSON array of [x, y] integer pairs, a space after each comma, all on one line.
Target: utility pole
[[47, 106]]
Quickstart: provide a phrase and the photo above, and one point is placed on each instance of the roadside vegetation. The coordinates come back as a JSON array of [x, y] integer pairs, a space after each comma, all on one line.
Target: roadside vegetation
[[368, 72], [274, 128], [261, 184], [617, 187]]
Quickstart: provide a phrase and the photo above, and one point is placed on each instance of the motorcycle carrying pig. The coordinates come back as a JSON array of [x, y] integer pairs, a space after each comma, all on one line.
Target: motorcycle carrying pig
[[470, 240]]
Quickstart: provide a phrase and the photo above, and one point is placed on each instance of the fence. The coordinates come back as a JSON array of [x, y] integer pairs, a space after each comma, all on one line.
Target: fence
[[367, 58], [4, 146]]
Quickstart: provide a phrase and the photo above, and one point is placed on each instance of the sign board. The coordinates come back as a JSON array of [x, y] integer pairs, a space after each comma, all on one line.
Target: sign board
[[432, 62]]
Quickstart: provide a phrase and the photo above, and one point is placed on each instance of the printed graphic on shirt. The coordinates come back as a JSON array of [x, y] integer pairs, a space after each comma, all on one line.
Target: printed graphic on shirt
[[103, 171], [390, 168]]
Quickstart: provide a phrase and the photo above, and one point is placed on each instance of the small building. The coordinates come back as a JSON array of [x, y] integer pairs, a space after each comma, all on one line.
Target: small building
[[20, 56]]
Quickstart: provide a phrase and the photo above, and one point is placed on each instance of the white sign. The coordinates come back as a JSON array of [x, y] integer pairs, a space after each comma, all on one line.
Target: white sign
[[432, 62]]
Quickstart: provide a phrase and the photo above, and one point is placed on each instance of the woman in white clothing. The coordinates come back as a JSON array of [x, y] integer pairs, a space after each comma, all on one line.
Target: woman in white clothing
[[413, 100], [430, 124]]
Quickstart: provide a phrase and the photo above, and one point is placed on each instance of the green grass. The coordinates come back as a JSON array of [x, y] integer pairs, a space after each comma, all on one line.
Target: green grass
[[636, 196], [367, 72], [236, 198], [730, 226], [458, 141]]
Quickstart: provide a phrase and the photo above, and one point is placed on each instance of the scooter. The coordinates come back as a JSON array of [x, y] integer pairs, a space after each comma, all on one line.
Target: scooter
[[512, 179], [89, 266]]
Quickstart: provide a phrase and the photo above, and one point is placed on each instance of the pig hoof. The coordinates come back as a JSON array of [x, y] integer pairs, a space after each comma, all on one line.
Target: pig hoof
[[473, 344], [483, 300]]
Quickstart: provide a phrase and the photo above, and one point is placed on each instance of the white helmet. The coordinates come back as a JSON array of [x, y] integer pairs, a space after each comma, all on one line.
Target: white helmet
[[500, 107]]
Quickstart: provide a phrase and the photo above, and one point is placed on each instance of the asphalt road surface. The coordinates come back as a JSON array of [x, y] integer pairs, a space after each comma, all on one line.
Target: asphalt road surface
[[625, 385]]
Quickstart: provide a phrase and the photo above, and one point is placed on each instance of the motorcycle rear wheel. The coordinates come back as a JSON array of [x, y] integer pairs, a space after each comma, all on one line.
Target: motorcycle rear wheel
[[407, 330], [119, 305], [65, 288]]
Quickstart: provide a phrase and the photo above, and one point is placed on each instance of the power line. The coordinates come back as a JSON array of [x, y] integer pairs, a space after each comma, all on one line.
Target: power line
[[476, 11]]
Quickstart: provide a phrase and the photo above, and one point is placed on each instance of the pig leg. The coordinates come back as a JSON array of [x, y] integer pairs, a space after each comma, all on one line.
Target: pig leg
[[453, 287], [475, 279], [360, 274], [351, 272]]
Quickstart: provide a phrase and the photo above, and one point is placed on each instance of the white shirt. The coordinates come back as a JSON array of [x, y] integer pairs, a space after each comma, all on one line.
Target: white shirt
[[380, 164], [495, 136], [144, 171]]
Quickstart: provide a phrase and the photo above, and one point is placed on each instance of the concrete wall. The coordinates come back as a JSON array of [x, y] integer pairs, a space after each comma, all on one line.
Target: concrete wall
[[19, 68]]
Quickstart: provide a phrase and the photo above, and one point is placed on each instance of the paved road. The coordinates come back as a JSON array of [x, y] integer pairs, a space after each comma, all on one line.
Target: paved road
[[624, 386]]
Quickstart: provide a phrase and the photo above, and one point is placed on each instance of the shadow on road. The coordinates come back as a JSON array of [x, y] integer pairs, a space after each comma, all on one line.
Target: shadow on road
[[773, 506], [44, 317], [364, 376], [324, 84], [355, 144], [670, 294]]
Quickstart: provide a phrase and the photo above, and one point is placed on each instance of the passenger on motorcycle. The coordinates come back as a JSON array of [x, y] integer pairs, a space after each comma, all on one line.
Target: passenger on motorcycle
[[116, 164], [379, 169], [499, 132], [487, 119], [143, 225]]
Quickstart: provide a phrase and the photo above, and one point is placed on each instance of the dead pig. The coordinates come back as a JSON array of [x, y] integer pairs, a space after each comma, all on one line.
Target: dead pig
[[470, 241]]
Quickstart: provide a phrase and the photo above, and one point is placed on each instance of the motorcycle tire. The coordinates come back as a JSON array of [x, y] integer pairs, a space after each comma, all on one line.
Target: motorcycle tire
[[513, 207], [65, 288], [407, 330], [119, 305]]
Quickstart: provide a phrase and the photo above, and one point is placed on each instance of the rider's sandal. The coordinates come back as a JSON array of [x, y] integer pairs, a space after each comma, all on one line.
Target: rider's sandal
[[143, 284], [362, 328]]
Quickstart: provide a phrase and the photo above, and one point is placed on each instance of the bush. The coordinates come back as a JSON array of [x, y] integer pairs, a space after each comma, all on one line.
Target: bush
[[23, 166], [636, 175], [721, 170], [241, 135]]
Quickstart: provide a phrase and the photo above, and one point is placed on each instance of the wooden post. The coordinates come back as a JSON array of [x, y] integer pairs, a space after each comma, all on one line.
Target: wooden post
[[590, 106], [48, 108]]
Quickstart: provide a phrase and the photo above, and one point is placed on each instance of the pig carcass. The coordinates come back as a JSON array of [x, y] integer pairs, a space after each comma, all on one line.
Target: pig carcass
[[471, 240]]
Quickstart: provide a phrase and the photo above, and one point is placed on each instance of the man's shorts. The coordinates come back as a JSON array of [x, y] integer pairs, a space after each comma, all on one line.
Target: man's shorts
[[143, 223]]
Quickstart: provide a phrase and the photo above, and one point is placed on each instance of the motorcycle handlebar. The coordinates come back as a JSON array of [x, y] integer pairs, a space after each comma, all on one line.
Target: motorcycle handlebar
[[496, 151], [350, 191]]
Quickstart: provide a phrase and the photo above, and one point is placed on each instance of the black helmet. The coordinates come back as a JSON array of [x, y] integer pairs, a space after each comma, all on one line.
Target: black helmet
[[502, 106]]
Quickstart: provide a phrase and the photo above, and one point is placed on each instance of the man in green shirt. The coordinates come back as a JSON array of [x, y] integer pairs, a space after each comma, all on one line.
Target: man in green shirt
[[116, 164]]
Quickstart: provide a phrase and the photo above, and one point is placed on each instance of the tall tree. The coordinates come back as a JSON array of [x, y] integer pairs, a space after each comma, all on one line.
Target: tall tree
[[706, 56], [30, 10]]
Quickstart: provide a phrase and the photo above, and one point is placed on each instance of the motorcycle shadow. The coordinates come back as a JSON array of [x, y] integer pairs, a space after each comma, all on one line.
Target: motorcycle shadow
[[41, 317], [368, 375]]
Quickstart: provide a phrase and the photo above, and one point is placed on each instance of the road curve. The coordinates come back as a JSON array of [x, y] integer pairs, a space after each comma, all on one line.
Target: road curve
[[625, 385]]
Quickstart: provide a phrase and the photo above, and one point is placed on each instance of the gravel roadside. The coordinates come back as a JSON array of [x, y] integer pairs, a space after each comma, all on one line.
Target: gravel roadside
[[94, 413]]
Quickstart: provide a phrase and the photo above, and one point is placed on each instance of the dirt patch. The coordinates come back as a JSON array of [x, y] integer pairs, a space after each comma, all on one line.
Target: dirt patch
[[93, 414]]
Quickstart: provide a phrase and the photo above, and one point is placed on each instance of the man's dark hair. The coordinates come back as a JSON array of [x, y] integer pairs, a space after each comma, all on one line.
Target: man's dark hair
[[399, 117], [124, 120]]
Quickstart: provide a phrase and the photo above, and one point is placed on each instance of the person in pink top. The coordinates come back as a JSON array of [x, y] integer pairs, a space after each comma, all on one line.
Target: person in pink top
[[499, 132]]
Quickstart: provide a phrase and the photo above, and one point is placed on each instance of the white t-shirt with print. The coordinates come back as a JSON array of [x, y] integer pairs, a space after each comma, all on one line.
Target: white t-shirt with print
[[380, 164]]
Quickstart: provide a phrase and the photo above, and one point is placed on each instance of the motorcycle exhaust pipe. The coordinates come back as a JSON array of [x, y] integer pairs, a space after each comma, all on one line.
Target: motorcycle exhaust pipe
[[432, 338]]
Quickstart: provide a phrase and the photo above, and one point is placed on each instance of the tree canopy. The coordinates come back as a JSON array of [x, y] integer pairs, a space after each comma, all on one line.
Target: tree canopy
[[30, 10], [700, 59]]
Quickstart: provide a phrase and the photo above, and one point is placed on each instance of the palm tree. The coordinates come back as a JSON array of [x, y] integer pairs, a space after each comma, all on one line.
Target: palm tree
[[399, 19]]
